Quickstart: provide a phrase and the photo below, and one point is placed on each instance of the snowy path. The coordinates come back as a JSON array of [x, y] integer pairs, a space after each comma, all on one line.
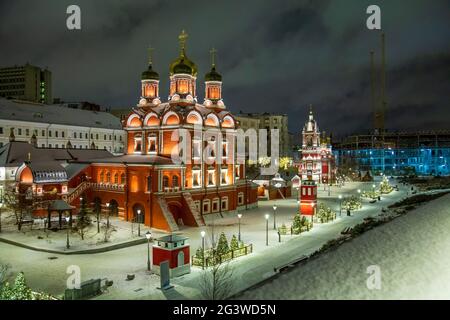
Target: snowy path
[[412, 252]]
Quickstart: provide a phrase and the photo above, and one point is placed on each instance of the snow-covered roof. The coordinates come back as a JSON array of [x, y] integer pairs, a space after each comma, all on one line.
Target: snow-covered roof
[[17, 110]]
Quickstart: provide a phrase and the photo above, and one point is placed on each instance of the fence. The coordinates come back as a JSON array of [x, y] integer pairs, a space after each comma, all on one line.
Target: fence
[[211, 260]]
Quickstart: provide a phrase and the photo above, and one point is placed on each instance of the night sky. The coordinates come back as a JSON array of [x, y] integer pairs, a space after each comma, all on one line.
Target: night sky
[[275, 56]]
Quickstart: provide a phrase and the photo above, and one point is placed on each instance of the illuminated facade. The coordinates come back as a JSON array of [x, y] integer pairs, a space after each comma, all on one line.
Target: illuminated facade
[[148, 184], [317, 159], [422, 153]]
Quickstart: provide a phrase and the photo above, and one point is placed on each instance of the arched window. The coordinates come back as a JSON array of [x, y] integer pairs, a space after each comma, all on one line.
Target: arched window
[[175, 182], [101, 176], [165, 182], [116, 178], [108, 177], [123, 178]]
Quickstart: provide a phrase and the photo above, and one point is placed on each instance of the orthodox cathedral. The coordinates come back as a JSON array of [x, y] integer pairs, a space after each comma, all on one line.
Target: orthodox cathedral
[[146, 184]]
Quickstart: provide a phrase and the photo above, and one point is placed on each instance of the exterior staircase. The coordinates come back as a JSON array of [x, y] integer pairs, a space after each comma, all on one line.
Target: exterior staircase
[[76, 193], [193, 208], [167, 214]]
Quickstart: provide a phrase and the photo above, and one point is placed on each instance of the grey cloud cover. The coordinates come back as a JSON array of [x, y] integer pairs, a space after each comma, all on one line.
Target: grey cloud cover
[[277, 56]]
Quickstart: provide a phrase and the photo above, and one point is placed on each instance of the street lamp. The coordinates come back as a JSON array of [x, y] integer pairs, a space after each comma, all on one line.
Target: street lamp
[[68, 227], [340, 205], [274, 217], [148, 235], [139, 222], [107, 215], [239, 222], [267, 229], [203, 233]]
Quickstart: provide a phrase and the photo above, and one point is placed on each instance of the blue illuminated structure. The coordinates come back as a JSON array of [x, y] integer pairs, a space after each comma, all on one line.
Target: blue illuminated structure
[[422, 153]]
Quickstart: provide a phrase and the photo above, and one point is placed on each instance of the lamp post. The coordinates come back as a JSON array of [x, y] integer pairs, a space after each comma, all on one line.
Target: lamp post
[[139, 222], [68, 227], [203, 248], [340, 205], [107, 215], [267, 229], [274, 217], [148, 235], [313, 213], [239, 223]]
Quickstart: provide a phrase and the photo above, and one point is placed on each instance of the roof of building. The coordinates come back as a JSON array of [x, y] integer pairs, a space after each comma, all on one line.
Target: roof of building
[[136, 159], [172, 238], [60, 205], [16, 153], [18, 110]]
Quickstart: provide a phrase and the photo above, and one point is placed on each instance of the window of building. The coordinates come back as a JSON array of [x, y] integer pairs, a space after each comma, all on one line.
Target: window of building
[[1, 130], [211, 177], [215, 205], [56, 134], [224, 149], [101, 176], [43, 133], [206, 206], [196, 149], [196, 178], [237, 171], [116, 178], [49, 145], [165, 182], [27, 132], [138, 144], [240, 198], [104, 137], [223, 176], [75, 135], [152, 148], [225, 204], [19, 131], [96, 136], [63, 134], [175, 182], [197, 205], [49, 133], [56, 146]]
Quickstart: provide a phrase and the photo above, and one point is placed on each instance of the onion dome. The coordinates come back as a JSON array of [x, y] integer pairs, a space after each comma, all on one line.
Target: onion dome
[[213, 75], [150, 74], [182, 64]]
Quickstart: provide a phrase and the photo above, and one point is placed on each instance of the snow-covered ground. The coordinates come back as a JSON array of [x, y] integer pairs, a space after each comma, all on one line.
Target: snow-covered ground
[[411, 251], [50, 275]]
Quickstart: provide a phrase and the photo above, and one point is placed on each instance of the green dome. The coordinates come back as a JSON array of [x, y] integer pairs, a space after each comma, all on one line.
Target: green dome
[[150, 74], [213, 75], [183, 65]]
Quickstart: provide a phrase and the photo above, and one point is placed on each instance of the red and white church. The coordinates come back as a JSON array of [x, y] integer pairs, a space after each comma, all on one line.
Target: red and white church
[[145, 184]]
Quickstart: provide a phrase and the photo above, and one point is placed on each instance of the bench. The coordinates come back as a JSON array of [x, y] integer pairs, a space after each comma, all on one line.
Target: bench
[[288, 265]]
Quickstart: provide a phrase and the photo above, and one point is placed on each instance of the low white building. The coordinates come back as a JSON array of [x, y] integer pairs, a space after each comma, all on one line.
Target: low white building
[[59, 127]]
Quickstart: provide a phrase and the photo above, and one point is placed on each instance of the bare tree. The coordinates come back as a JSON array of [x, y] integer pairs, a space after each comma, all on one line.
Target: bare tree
[[216, 281]]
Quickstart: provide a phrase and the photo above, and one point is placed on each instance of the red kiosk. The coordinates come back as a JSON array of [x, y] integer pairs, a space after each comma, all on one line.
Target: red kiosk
[[308, 197], [174, 249]]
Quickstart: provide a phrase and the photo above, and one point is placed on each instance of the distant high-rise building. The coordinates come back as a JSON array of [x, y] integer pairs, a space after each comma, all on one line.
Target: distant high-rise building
[[268, 121], [29, 83]]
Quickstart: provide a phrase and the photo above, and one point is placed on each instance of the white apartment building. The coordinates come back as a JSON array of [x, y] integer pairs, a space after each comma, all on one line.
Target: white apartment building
[[59, 127]]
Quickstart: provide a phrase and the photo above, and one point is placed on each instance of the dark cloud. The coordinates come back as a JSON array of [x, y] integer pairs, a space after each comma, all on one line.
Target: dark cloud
[[275, 56]]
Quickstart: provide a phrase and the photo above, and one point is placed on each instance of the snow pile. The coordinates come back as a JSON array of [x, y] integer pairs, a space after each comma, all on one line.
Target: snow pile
[[411, 251]]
